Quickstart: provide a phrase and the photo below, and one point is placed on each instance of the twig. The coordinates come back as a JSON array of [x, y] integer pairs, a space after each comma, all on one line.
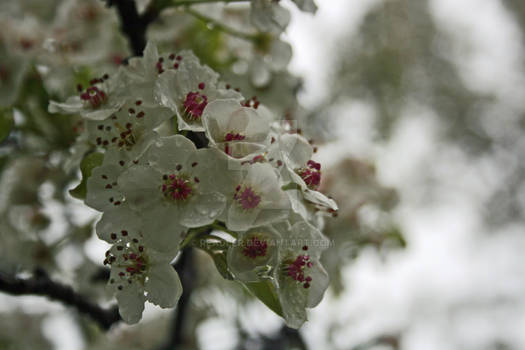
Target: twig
[[41, 284], [219, 26]]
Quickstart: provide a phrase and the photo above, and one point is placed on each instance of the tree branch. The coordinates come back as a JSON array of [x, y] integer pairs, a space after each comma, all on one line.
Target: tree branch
[[41, 284], [186, 269], [132, 24]]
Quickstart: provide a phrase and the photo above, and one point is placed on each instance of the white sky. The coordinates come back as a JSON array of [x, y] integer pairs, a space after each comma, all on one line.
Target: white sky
[[455, 287]]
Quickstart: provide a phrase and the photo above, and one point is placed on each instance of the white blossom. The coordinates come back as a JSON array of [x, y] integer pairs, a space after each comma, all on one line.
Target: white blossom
[[138, 272]]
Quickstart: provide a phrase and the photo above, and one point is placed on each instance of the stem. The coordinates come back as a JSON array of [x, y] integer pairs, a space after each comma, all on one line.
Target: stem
[[219, 26], [192, 234]]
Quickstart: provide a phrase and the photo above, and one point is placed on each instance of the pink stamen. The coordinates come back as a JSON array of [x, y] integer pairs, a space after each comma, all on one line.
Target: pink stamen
[[194, 104], [255, 247], [94, 96], [234, 137], [296, 270], [177, 188], [311, 174], [247, 198]]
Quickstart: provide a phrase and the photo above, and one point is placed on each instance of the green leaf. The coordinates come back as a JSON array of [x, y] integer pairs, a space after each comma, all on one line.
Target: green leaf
[[82, 76], [265, 292], [6, 123], [290, 186], [217, 249], [219, 258], [90, 161]]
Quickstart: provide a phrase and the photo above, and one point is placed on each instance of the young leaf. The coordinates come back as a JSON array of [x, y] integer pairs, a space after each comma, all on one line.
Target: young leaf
[[6, 124], [90, 161], [265, 292]]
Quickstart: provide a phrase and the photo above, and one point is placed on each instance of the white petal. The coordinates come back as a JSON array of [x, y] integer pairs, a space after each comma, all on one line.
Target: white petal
[[99, 114], [130, 303], [221, 117], [319, 284], [296, 150], [167, 90], [161, 228], [269, 16], [141, 186], [320, 199], [293, 297], [169, 152], [72, 105], [203, 210], [116, 220], [102, 187], [306, 5], [239, 219], [163, 286], [191, 73]]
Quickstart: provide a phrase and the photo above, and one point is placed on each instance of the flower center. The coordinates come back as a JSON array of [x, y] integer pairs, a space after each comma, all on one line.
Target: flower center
[[296, 269], [129, 256], [246, 197], [234, 137], [311, 174], [177, 187], [255, 247], [94, 96], [194, 104]]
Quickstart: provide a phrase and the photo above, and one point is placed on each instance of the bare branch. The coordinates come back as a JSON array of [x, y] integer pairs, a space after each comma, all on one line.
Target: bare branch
[[41, 284], [132, 24]]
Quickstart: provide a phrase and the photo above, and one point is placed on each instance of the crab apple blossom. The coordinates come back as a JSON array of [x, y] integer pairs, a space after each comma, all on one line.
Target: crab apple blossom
[[103, 97], [142, 73], [269, 16], [172, 188], [130, 130], [189, 88], [238, 131], [255, 199], [254, 254], [103, 192], [300, 277], [296, 153], [138, 272]]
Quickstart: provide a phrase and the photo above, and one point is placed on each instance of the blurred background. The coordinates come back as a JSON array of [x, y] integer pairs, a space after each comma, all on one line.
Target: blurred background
[[417, 110]]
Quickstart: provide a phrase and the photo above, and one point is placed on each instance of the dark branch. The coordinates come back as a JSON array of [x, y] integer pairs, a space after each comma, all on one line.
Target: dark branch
[[41, 284], [185, 268], [132, 24]]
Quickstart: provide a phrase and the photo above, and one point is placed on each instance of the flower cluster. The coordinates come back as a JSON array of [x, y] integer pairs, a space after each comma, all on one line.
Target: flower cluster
[[183, 155]]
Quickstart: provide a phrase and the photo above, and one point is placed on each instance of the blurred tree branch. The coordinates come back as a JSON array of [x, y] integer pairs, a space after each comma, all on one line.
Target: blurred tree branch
[[186, 271], [134, 25], [40, 284]]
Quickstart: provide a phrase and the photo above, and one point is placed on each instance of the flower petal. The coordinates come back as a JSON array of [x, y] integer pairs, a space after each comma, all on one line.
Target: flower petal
[[131, 303], [203, 210], [163, 286]]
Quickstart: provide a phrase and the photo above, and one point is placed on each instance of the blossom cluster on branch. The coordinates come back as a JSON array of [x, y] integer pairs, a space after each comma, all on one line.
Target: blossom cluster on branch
[[249, 174]]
